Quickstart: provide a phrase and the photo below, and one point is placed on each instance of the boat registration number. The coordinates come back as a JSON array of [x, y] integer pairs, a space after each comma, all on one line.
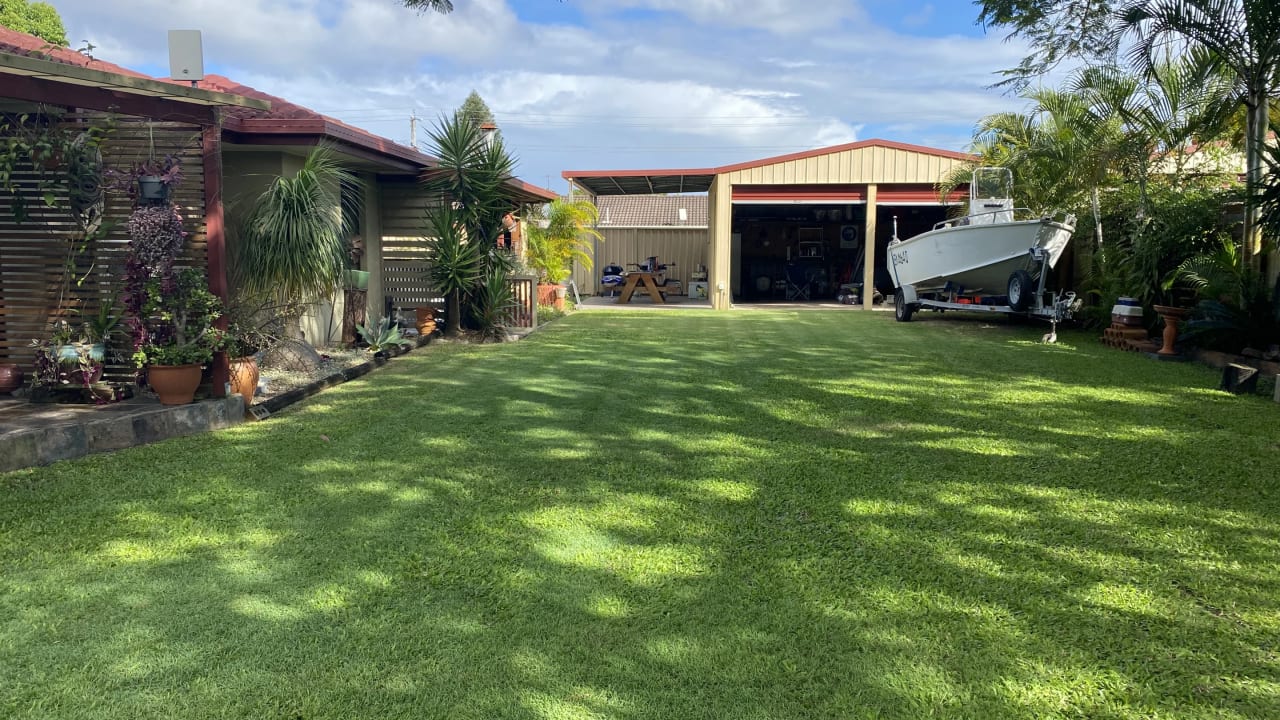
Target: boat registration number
[[899, 258]]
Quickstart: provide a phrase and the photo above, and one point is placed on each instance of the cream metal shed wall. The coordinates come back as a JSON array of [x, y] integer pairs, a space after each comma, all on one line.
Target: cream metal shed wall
[[871, 164], [685, 246]]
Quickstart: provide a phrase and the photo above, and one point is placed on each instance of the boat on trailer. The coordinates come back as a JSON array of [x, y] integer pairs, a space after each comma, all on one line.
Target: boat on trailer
[[987, 261]]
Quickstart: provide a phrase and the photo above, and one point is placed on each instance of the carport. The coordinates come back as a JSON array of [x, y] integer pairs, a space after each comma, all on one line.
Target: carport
[[795, 226]]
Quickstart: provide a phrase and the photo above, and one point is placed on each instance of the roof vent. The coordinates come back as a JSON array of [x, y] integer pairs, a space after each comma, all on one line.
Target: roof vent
[[186, 56]]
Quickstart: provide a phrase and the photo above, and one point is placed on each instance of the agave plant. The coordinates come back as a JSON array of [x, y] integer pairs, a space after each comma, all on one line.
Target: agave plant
[[383, 337]]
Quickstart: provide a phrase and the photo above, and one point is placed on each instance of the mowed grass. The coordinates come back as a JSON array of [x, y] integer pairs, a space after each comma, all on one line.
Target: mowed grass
[[760, 514]]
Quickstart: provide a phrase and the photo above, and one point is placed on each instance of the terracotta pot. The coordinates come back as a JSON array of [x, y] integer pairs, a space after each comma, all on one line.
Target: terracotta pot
[[426, 320], [10, 378], [552, 295], [244, 377], [175, 384], [1170, 316]]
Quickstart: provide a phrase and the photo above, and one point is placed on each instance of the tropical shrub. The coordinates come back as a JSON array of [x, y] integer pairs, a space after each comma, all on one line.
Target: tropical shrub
[[1237, 309], [493, 301], [464, 262], [558, 235], [1148, 240]]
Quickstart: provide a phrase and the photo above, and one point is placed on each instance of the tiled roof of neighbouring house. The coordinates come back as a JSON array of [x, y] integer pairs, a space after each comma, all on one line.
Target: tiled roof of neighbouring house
[[652, 210], [16, 43]]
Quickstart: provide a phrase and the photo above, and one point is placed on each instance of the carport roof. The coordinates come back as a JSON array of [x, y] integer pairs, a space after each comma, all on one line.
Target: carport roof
[[642, 182], [650, 182]]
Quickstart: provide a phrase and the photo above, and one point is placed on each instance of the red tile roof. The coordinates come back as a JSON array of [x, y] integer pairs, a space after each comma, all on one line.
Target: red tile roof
[[652, 210], [284, 117]]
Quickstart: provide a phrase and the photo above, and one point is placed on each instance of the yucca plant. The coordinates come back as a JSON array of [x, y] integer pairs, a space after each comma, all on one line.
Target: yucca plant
[[493, 302], [455, 263], [294, 238], [470, 182]]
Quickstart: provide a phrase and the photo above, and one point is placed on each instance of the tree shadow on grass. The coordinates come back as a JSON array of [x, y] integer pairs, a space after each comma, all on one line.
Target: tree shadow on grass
[[764, 515]]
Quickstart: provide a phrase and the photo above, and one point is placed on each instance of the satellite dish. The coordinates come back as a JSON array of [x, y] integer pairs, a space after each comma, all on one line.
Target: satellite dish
[[186, 56]]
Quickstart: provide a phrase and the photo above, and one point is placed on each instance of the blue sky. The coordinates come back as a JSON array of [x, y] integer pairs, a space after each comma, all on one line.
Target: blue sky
[[599, 84]]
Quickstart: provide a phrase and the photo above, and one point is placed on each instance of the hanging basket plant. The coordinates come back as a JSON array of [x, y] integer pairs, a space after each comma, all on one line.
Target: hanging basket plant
[[156, 235]]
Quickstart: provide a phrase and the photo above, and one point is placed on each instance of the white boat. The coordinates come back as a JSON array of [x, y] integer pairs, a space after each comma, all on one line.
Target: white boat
[[989, 253], [978, 253]]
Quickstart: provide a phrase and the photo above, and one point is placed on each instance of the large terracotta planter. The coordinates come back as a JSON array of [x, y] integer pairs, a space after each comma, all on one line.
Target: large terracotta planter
[[175, 384], [10, 378], [552, 295], [244, 377], [1170, 316]]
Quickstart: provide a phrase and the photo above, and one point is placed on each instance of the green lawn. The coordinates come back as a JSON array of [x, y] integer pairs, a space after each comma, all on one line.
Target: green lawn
[[741, 515]]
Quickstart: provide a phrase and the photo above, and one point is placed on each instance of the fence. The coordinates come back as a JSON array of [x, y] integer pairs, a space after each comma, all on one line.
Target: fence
[[405, 283], [51, 266], [524, 290]]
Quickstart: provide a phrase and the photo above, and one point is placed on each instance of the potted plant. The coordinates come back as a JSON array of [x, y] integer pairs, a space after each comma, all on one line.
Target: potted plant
[[178, 314], [357, 279], [244, 341], [156, 177], [156, 236], [67, 361]]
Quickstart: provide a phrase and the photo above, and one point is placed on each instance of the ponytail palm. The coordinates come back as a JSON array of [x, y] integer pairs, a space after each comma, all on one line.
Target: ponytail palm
[[294, 243]]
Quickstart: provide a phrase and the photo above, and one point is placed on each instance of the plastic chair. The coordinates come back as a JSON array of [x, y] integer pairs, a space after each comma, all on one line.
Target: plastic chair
[[797, 283]]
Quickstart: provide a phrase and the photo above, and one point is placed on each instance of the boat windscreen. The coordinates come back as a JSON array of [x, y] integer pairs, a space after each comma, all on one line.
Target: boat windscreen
[[992, 182]]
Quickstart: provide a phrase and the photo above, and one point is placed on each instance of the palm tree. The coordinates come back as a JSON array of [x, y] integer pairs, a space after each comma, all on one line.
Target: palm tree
[[444, 7], [1242, 38], [559, 236], [1059, 152], [1159, 113], [294, 237]]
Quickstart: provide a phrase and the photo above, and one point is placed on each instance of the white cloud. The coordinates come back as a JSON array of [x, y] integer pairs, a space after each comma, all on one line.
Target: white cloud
[[645, 83]]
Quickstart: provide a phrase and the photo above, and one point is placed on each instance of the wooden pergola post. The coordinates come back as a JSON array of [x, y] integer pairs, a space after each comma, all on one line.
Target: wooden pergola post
[[216, 238]]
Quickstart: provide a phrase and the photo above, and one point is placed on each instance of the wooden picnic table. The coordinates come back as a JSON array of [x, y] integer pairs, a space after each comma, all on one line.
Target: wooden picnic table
[[646, 279]]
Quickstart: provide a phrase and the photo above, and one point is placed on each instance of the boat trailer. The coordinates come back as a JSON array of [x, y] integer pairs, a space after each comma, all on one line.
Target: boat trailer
[[1025, 296]]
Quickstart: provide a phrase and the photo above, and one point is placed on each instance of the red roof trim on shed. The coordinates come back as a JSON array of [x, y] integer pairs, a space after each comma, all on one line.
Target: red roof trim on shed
[[800, 193], [916, 194]]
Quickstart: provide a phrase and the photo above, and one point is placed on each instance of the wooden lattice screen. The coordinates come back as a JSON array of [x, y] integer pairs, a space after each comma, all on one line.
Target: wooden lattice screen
[[405, 284], [49, 271]]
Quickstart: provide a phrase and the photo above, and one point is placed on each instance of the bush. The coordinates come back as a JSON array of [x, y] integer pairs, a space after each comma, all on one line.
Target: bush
[[547, 313], [1141, 252]]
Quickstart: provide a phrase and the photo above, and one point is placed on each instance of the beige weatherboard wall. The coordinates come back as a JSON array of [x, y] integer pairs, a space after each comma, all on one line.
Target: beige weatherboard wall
[[871, 173], [876, 165]]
